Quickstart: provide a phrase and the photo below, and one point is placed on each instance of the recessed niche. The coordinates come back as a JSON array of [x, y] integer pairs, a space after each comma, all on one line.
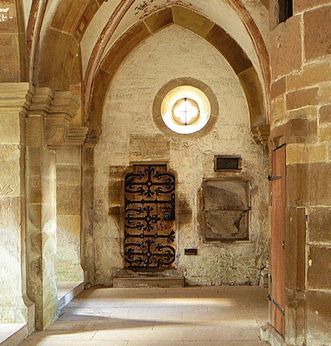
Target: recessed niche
[[225, 210], [227, 163]]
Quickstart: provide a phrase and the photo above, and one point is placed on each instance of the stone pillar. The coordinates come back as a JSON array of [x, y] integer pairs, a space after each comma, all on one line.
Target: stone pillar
[[69, 214], [41, 211], [48, 129], [88, 210], [14, 100], [68, 142], [301, 119]]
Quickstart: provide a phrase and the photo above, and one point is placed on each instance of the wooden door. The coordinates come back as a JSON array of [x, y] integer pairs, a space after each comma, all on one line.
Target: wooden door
[[278, 205], [150, 236]]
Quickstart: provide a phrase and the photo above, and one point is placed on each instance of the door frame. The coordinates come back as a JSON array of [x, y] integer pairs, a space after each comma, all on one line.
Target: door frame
[[275, 303]]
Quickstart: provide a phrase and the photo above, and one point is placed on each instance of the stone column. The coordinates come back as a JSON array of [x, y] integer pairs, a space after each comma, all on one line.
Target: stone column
[[88, 209], [14, 100], [48, 130], [41, 211], [301, 119]]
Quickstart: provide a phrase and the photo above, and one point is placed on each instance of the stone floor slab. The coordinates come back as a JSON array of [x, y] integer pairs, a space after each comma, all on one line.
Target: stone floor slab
[[189, 316]]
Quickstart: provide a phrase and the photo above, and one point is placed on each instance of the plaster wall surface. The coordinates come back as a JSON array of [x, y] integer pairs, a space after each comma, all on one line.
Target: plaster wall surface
[[130, 135]]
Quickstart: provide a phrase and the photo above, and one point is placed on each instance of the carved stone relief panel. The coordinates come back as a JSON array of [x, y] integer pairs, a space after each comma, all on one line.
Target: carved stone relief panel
[[225, 210]]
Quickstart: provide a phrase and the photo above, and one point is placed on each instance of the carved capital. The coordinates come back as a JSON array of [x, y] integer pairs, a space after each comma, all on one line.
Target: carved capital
[[76, 135], [41, 102], [261, 134], [64, 104], [58, 132], [93, 136], [15, 97]]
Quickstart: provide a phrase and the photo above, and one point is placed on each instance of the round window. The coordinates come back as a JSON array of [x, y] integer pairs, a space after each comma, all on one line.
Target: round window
[[185, 109]]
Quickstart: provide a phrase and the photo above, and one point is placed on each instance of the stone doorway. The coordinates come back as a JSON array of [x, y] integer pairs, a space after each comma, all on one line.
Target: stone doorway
[[149, 231]]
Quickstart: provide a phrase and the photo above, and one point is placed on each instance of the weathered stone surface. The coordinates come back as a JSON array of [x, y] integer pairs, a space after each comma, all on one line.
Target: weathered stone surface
[[319, 187], [149, 147], [303, 5], [190, 157], [159, 19], [318, 317], [319, 224], [277, 109], [10, 128], [296, 131], [192, 21], [325, 134], [285, 49], [317, 32], [301, 98], [300, 153], [319, 269], [278, 88], [325, 114], [311, 75], [69, 201]]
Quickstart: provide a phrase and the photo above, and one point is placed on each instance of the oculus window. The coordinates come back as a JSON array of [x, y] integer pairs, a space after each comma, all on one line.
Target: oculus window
[[185, 109]]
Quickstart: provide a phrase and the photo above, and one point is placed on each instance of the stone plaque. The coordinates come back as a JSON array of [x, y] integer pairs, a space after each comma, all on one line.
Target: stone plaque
[[225, 210]]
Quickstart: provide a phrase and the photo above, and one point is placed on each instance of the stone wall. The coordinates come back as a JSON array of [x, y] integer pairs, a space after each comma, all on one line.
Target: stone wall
[[129, 135], [68, 178], [301, 118], [12, 203]]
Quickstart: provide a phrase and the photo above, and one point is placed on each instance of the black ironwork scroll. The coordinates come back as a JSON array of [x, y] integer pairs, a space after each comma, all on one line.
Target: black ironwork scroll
[[150, 218]]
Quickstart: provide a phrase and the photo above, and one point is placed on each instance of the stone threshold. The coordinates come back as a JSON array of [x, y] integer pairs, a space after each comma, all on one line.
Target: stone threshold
[[67, 291], [145, 281], [13, 333], [270, 335]]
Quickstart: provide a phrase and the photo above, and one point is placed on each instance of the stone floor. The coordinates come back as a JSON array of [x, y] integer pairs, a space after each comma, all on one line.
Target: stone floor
[[9, 332], [223, 316]]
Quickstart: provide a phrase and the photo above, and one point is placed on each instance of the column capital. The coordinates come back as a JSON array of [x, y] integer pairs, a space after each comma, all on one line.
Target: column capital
[[15, 97]]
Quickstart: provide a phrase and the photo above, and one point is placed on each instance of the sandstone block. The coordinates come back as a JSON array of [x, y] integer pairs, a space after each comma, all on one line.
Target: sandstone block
[[319, 187], [319, 224], [317, 32], [10, 179], [301, 153], [142, 147], [159, 19], [318, 317], [285, 49], [69, 200], [278, 88], [278, 109], [302, 5], [192, 21], [309, 112], [325, 93], [9, 128], [68, 156], [68, 175], [302, 98], [311, 75], [325, 134], [325, 114], [296, 130], [319, 269]]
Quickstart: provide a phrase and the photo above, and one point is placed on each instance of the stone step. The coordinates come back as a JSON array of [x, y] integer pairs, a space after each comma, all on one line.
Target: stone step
[[157, 281]]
